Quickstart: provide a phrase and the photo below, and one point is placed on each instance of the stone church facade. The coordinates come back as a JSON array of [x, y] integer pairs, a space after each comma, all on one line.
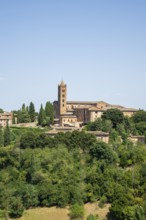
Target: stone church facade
[[74, 113]]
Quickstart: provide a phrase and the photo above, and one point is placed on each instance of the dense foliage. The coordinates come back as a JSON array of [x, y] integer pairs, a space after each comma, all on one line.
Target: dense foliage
[[72, 169], [113, 120]]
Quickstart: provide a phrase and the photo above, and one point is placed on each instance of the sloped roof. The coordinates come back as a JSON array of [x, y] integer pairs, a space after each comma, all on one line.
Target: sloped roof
[[121, 108], [86, 102], [93, 108]]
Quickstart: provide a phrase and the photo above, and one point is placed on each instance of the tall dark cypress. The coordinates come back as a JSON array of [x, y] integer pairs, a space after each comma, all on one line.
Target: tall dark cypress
[[32, 112], [49, 110], [1, 137], [7, 135], [42, 117]]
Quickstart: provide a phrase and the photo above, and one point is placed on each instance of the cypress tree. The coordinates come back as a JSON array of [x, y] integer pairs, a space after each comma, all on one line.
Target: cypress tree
[[32, 112], [42, 117], [1, 137], [49, 110], [23, 115], [7, 135], [23, 107]]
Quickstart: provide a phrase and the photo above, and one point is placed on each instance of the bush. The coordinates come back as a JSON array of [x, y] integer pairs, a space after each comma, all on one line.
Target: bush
[[76, 212], [92, 217], [102, 201]]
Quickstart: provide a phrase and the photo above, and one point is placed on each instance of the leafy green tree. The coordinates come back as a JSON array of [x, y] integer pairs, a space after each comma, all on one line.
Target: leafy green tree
[[28, 140], [16, 208], [141, 127], [23, 115], [121, 208], [129, 125], [5, 197], [113, 135], [32, 112], [7, 135], [106, 125], [29, 195], [99, 125], [114, 115], [95, 126], [139, 116], [49, 110], [101, 151], [127, 212], [1, 137], [139, 213]]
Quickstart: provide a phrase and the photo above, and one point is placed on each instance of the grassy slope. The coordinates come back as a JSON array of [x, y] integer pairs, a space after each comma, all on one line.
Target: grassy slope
[[54, 213]]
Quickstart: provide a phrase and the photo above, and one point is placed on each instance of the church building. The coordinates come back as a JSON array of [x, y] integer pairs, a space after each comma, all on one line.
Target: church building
[[74, 113]]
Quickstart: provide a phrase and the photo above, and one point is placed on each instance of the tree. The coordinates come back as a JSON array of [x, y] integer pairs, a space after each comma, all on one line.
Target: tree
[[16, 208], [23, 107], [15, 117], [29, 195], [101, 151], [1, 110], [95, 126], [113, 135], [1, 137], [141, 127], [7, 135], [129, 125], [32, 112], [115, 115], [49, 110], [23, 115], [28, 140], [145, 137], [42, 117], [139, 116], [139, 213], [120, 209]]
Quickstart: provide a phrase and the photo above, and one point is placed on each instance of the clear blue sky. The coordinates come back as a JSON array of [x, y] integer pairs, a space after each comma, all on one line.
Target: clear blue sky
[[98, 47]]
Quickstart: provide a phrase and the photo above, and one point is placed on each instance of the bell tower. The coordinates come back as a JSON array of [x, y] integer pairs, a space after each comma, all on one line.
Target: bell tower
[[62, 96]]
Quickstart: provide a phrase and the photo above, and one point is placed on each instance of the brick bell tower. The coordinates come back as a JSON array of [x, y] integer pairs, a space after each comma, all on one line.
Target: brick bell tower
[[62, 96]]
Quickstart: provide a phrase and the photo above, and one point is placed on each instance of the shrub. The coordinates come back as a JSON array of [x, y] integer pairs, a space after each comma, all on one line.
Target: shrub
[[102, 201], [92, 217], [76, 212]]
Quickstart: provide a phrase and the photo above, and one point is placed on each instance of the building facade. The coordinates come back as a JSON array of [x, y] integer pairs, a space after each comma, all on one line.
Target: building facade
[[6, 118], [74, 113]]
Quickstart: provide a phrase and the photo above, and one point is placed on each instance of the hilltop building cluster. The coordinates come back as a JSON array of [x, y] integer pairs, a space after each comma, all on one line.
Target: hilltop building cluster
[[75, 113]]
